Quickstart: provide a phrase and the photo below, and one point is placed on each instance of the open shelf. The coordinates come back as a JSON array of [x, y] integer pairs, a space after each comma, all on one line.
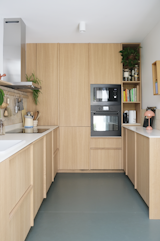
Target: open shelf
[[131, 82], [131, 102], [156, 77], [129, 124]]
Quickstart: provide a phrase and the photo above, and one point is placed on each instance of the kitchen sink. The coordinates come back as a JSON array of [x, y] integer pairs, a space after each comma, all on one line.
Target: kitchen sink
[[6, 145]]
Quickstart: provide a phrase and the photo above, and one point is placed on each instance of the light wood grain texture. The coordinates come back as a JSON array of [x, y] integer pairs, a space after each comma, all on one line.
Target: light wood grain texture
[[106, 142], [131, 155], [20, 222], [105, 64], [47, 71], [154, 178], [20, 176], [124, 133], [44, 167], [74, 148], [38, 174], [31, 67], [142, 147], [106, 159], [91, 171], [49, 154], [55, 140], [56, 160], [4, 209], [74, 85]]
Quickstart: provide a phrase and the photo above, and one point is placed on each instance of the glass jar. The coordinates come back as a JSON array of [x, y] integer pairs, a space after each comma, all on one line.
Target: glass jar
[[136, 72], [126, 75]]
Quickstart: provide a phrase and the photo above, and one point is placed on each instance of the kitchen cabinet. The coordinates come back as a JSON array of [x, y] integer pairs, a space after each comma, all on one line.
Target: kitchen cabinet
[[42, 59], [49, 160], [74, 107], [131, 155], [142, 157], [74, 148], [55, 152], [105, 64], [20, 188], [38, 174], [142, 144], [103, 159], [4, 217]]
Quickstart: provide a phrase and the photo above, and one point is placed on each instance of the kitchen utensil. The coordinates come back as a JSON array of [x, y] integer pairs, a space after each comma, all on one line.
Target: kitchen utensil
[[38, 116], [28, 120], [124, 117], [5, 113], [35, 115], [35, 123], [3, 106]]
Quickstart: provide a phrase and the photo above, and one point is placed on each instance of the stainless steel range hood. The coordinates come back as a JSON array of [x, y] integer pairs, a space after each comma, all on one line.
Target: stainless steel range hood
[[14, 54]]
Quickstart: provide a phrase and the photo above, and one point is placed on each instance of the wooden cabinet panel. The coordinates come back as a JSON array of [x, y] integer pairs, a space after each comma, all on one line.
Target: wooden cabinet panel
[[20, 222], [125, 150], [4, 212], [47, 71], [142, 147], [105, 142], [48, 160], [19, 175], [106, 159], [105, 64], [38, 174], [55, 139], [74, 85], [131, 155], [74, 148], [56, 160]]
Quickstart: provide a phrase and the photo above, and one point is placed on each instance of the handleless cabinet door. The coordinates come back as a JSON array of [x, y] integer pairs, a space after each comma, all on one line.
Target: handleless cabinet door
[[49, 155], [74, 148], [131, 135], [74, 85], [105, 64]]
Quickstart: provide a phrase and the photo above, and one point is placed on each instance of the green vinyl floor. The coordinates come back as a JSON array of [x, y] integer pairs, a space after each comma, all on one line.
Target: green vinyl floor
[[93, 207]]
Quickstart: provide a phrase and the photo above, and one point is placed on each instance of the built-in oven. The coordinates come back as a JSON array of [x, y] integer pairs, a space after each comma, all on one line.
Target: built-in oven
[[105, 110]]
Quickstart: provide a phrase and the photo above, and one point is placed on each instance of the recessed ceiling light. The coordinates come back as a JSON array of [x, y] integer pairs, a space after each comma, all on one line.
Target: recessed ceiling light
[[82, 27]]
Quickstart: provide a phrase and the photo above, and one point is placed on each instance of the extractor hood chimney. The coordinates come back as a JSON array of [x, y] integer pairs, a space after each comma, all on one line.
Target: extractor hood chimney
[[14, 54]]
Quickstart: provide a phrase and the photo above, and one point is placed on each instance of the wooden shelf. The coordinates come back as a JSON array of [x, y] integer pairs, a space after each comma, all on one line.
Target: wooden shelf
[[129, 124], [131, 82], [156, 76], [131, 102], [2, 82]]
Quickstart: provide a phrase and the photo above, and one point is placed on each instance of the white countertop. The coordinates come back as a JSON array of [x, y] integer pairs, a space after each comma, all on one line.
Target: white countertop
[[28, 138], [142, 131]]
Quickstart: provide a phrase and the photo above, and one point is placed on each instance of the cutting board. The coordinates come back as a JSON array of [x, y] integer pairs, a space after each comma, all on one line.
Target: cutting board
[[23, 116]]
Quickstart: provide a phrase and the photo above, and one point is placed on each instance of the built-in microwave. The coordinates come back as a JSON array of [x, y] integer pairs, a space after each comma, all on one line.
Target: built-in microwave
[[105, 110]]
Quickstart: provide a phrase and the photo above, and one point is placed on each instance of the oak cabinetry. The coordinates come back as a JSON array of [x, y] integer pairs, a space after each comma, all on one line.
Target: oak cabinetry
[[4, 210], [156, 77], [106, 159], [74, 109], [49, 156], [142, 144], [74, 148], [38, 174], [131, 155], [108, 142], [105, 64]]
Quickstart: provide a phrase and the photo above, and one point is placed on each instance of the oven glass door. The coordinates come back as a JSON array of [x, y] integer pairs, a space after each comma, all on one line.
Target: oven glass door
[[105, 123]]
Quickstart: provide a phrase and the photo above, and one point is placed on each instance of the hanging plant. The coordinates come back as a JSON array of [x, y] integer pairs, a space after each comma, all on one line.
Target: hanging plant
[[37, 81], [130, 56], [1, 96]]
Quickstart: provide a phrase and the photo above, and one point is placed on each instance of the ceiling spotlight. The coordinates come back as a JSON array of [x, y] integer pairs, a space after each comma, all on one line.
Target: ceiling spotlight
[[82, 27]]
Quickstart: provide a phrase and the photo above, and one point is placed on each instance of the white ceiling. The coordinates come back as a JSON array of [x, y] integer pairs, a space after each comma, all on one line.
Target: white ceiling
[[107, 20]]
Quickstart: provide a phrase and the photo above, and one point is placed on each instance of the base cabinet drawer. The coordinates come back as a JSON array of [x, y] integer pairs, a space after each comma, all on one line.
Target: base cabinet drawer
[[109, 142], [106, 159], [20, 220]]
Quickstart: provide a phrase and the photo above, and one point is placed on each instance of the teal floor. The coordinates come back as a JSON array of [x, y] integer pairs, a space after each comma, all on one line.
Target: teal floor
[[93, 207]]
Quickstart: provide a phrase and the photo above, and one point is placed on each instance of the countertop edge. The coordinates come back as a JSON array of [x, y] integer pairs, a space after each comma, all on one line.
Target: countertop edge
[[142, 131]]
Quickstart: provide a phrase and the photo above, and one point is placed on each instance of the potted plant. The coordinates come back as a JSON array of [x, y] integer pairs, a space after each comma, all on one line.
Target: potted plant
[[37, 81], [130, 56]]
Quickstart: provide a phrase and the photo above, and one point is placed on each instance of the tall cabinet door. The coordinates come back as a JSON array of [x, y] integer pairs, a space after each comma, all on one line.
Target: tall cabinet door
[[74, 148], [105, 64], [74, 85], [47, 72]]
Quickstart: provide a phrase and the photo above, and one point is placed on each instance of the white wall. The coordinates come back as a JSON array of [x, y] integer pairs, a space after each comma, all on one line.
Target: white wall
[[150, 53], [1, 45]]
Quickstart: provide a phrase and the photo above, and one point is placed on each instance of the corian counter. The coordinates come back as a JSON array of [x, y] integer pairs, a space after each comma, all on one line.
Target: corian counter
[[142, 131], [27, 138]]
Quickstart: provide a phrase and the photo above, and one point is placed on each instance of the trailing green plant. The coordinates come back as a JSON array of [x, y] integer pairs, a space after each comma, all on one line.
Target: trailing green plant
[[1, 96], [35, 80], [130, 56]]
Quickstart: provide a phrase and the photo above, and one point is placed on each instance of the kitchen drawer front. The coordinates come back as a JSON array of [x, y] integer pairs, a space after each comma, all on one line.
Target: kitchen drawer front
[[106, 143], [106, 159], [21, 220], [19, 175], [55, 139]]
